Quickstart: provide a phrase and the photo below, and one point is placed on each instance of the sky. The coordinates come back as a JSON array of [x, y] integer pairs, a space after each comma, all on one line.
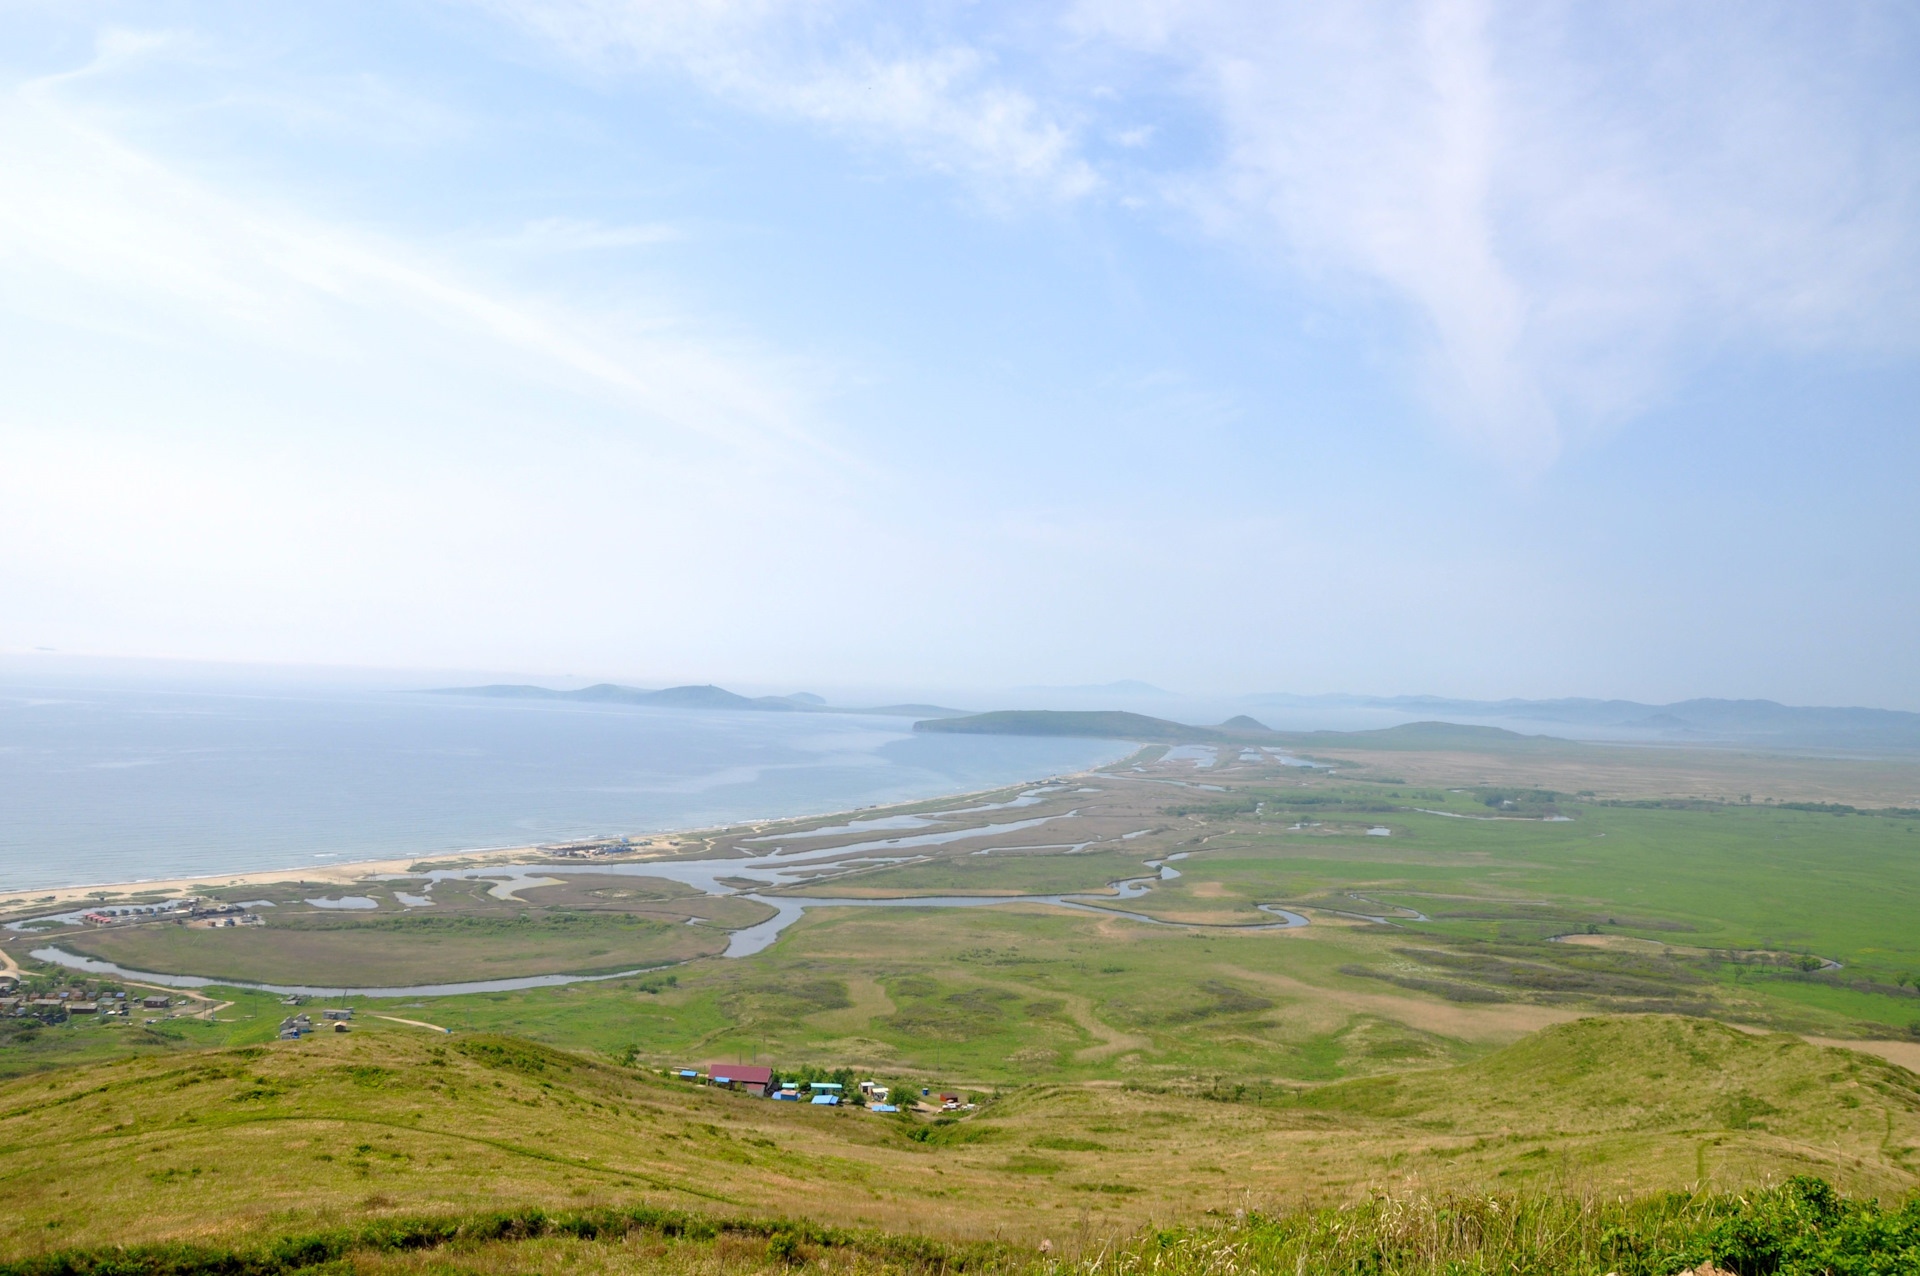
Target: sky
[[1454, 347]]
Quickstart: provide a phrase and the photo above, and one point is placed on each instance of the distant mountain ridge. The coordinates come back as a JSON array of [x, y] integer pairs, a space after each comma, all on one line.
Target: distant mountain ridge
[[1703, 720], [1115, 724], [706, 696], [1758, 723]]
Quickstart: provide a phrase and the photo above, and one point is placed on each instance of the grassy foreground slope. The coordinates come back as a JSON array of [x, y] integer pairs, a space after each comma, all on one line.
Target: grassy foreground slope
[[336, 1131], [1802, 1227]]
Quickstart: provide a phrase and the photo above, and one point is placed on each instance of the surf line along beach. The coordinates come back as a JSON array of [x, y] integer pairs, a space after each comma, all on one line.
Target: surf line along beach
[[740, 877]]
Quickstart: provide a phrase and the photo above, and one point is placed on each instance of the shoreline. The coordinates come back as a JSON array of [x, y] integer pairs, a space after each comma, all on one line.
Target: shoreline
[[656, 845]]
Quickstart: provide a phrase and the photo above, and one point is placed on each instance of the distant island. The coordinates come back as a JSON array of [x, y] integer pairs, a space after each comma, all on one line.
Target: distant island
[[706, 696], [1443, 723]]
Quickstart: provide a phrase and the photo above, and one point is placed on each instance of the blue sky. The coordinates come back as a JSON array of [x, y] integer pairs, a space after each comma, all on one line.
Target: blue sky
[[1453, 347]]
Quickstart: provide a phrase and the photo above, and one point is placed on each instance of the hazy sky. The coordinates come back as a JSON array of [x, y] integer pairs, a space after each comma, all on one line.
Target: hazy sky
[[1466, 348]]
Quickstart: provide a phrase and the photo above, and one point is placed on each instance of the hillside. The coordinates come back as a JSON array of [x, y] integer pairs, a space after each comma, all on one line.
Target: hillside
[[389, 1121]]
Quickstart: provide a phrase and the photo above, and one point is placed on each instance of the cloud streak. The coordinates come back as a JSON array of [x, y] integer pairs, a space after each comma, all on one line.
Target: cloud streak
[[1558, 211], [1570, 207], [844, 67], [99, 234]]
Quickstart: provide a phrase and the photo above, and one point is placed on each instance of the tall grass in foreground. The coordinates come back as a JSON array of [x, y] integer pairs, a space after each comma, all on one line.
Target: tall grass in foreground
[[1802, 1226]]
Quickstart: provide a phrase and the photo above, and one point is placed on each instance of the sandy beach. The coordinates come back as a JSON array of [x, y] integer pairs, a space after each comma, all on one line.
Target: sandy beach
[[347, 872], [342, 874]]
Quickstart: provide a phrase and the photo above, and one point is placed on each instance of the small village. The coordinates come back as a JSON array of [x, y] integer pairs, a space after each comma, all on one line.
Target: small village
[[46, 1001], [338, 1018], [191, 911], [758, 1080]]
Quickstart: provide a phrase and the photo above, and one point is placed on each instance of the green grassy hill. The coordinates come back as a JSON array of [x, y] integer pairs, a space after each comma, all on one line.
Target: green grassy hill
[[338, 1130]]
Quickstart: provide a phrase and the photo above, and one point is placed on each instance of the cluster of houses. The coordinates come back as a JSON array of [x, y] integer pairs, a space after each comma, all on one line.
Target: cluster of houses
[[757, 1080], [74, 1001], [191, 910], [588, 849], [300, 1025], [237, 919], [294, 1027], [140, 912]]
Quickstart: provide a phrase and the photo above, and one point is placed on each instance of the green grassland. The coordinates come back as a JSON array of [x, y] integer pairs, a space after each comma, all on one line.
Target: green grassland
[[1535, 1016], [1712, 909], [403, 950], [585, 924]]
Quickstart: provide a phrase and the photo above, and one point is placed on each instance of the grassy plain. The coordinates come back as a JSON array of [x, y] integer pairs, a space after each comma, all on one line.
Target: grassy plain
[[401, 951], [1696, 906]]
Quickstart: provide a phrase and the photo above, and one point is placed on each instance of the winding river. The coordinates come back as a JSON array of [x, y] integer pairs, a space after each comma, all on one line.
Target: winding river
[[742, 877]]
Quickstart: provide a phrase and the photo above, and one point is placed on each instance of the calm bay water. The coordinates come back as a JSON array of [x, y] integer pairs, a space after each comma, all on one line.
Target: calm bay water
[[117, 784]]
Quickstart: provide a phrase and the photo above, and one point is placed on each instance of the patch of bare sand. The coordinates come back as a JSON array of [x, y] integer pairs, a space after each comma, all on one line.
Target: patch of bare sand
[[342, 874], [1208, 890], [1501, 1024]]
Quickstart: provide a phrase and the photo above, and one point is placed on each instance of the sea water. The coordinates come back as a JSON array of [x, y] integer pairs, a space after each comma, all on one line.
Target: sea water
[[127, 783]]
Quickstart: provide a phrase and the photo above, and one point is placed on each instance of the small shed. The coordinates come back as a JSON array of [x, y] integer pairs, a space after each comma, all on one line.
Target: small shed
[[826, 1100]]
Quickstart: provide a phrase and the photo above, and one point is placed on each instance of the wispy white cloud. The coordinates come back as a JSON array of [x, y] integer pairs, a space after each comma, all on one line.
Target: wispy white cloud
[[1552, 210], [98, 233], [1571, 204], [844, 67]]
